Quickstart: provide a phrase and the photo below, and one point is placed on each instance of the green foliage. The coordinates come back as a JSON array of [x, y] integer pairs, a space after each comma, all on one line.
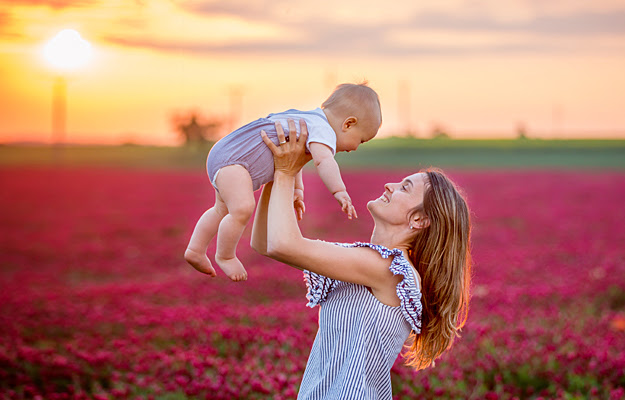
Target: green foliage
[[173, 396], [380, 153], [613, 298], [419, 153]]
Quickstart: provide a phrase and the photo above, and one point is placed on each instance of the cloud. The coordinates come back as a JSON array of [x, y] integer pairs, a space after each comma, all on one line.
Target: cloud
[[54, 4], [5, 18], [239, 8], [305, 14], [534, 16], [577, 24], [585, 24], [7, 32], [350, 27], [353, 47], [414, 34]]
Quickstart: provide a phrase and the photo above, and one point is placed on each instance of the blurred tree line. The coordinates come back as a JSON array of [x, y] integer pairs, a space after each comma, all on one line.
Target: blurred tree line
[[196, 129]]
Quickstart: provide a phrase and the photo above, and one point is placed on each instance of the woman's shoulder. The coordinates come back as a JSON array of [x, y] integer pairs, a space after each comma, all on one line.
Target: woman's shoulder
[[400, 264], [397, 256], [381, 260], [384, 251]]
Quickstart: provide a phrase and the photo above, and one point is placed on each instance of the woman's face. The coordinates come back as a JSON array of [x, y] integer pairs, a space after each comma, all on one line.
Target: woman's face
[[399, 199]]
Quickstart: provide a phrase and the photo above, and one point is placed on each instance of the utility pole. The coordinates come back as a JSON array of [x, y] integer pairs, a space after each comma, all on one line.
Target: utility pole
[[403, 108], [236, 106], [59, 109]]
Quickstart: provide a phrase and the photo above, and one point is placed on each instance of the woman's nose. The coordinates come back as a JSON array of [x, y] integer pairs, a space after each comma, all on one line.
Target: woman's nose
[[388, 187]]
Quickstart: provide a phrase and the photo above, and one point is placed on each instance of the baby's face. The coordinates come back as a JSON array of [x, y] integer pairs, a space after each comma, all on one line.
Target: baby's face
[[353, 137]]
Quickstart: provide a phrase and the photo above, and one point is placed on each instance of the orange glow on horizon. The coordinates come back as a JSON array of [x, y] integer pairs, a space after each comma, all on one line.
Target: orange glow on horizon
[[150, 61]]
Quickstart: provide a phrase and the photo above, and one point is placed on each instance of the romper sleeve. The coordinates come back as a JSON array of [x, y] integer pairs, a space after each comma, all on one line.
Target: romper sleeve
[[320, 131]]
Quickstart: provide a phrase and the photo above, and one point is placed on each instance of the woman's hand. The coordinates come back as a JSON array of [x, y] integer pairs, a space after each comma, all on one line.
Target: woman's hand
[[290, 155]]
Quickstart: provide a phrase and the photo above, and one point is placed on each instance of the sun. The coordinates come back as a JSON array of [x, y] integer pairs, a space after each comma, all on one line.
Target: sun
[[67, 50]]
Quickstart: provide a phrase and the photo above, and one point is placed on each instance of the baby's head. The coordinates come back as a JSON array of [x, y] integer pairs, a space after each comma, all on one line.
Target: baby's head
[[354, 113]]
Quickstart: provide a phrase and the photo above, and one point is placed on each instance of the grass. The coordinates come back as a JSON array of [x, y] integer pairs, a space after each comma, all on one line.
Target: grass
[[503, 153], [387, 153]]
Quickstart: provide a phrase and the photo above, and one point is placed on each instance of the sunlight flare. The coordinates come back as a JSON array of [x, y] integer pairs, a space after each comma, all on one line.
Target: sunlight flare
[[67, 50]]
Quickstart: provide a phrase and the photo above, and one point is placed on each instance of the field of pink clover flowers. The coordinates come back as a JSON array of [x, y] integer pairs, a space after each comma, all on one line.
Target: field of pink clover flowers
[[96, 301]]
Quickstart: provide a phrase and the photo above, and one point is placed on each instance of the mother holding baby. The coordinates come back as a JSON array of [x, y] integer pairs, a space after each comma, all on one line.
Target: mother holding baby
[[409, 282]]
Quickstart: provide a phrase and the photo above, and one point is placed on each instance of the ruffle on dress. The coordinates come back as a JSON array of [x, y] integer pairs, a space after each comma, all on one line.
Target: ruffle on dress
[[319, 287], [408, 292]]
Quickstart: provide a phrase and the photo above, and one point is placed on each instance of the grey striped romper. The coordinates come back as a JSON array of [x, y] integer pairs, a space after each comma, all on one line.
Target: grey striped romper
[[245, 146], [359, 338]]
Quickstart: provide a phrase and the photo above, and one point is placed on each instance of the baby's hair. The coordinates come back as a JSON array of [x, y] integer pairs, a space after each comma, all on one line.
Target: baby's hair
[[354, 98]]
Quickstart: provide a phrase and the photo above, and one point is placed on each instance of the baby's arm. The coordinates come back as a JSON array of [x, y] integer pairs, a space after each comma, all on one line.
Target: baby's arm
[[299, 181], [330, 174], [298, 196]]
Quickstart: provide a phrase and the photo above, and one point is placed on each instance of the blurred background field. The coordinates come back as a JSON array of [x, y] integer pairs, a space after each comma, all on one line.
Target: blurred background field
[[96, 301], [393, 152]]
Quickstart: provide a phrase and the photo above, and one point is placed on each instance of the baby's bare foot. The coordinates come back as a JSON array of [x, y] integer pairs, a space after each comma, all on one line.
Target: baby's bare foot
[[233, 268], [200, 262]]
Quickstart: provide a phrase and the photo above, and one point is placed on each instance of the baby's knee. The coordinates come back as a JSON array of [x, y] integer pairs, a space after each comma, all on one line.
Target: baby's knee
[[242, 211]]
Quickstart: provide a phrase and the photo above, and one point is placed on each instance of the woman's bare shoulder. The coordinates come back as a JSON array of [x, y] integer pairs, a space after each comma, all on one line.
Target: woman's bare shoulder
[[341, 261]]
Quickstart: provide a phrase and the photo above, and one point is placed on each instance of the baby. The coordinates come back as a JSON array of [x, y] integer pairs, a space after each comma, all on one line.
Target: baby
[[241, 163]]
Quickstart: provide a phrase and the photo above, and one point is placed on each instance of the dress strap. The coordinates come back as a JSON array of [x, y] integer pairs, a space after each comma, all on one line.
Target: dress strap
[[408, 290]]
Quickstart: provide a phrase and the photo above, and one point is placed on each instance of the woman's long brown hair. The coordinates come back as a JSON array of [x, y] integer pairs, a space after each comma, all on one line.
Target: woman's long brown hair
[[441, 256]]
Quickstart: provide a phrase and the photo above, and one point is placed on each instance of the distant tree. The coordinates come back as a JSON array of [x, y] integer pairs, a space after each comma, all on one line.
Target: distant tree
[[521, 131], [439, 132], [196, 129]]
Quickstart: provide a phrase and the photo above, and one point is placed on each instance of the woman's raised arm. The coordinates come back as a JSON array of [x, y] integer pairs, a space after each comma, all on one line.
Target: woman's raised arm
[[284, 241]]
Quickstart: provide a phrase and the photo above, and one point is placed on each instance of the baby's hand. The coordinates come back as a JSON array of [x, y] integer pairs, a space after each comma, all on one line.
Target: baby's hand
[[346, 204], [298, 203]]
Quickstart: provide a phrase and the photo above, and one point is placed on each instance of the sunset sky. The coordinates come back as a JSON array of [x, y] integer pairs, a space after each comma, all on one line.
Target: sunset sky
[[476, 68]]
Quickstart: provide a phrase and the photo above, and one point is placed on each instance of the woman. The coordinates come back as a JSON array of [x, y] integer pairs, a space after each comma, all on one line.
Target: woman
[[411, 280]]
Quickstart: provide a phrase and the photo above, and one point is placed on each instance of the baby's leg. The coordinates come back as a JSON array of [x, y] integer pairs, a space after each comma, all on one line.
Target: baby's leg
[[237, 191], [204, 231]]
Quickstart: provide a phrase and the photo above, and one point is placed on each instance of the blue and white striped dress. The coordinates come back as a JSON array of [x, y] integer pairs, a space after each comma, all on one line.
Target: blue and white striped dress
[[359, 338]]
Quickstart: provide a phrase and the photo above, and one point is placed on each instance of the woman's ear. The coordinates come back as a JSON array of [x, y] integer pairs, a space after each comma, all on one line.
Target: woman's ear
[[419, 221], [349, 122]]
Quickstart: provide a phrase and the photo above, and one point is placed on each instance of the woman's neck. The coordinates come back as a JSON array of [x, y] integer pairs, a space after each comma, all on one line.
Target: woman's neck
[[390, 238]]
